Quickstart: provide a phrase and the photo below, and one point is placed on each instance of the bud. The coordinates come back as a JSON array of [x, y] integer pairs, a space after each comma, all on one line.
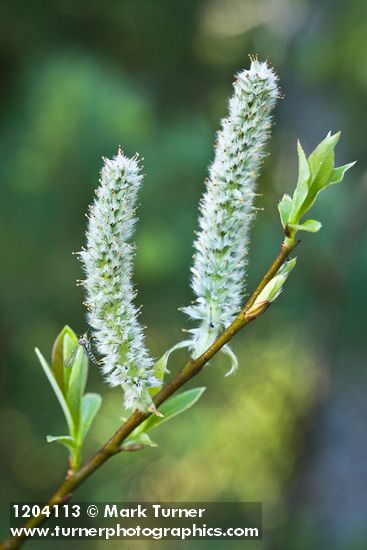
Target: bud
[[272, 290]]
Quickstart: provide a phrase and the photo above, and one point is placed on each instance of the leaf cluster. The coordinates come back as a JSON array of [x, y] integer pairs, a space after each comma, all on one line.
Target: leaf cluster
[[315, 173], [68, 384]]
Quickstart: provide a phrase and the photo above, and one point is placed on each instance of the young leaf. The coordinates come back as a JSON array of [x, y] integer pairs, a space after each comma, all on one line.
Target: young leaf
[[57, 360], [287, 267], [171, 408], [338, 173], [57, 356], [315, 174], [70, 342], [91, 403], [159, 370], [302, 187], [312, 226], [275, 286], [65, 440], [140, 438], [321, 161], [57, 390], [76, 386], [285, 208]]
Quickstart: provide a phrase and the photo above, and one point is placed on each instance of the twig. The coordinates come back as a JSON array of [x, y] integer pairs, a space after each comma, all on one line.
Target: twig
[[191, 369]]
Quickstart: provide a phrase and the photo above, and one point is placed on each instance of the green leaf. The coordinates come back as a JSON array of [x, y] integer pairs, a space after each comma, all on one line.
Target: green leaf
[[91, 403], [141, 438], [321, 161], [312, 226], [57, 390], [57, 356], [57, 360], [171, 408], [287, 267], [76, 386], [302, 187], [274, 287], [285, 208], [338, 173], [69, 343], [65, 440], [158, 371], [315, 174]]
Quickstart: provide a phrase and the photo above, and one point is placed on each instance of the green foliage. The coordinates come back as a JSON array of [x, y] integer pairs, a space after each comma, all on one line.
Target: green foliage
[[91, 403], [275, 286], [174, 406], [69, 385], [171, 408], [65, 440], [80, 408], [315, 173], [272, 289], [142, 439], [159, 370]]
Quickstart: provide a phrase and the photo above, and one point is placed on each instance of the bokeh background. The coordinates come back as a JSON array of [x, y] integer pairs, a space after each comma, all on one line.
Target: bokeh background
[[79, 79]]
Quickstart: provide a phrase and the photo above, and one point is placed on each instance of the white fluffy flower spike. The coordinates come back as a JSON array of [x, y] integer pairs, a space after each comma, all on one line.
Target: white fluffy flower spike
[[108, 263], [227, 206]]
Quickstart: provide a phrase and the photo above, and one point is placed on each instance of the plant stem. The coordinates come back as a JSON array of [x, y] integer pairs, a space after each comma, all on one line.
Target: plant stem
[[191, 369]]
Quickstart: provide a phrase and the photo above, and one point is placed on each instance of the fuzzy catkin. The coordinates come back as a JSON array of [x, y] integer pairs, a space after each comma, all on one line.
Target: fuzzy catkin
[[227, 206], [108, 263]]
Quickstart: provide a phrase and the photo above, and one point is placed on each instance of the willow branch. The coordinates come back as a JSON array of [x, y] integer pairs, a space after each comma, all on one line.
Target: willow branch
[[113, 446]]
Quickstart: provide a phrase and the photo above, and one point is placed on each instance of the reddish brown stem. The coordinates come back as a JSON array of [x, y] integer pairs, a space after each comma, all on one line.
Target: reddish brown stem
[[191, 369]]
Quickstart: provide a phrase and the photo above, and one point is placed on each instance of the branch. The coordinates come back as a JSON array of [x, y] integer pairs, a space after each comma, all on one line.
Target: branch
[[191, 369]]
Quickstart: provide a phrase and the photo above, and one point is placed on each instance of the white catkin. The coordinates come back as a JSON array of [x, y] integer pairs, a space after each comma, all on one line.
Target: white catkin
[[227, 206], [108, 263]]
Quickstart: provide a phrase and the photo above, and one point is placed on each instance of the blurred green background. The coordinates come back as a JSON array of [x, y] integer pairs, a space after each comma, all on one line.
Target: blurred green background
[[78, 80]]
